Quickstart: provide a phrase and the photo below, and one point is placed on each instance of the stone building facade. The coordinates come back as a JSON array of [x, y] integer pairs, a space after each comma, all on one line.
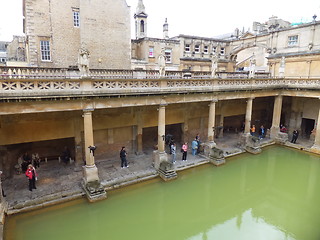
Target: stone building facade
[[56, 31]]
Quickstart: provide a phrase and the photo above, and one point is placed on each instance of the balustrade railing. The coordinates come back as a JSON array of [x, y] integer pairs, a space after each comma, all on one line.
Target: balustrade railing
[[95, 86]]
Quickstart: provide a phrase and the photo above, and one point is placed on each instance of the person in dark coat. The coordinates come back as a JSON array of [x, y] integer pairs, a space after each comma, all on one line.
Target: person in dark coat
[[123, 157], [295, 135]]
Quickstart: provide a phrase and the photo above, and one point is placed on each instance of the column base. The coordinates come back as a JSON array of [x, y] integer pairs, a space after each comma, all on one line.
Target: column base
[[250, 143], [274, 132], [91, 184], [315, 148], [207, 146], [164, 167]]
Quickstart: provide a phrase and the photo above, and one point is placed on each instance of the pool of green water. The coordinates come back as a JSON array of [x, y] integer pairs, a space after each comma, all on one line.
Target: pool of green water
[[274, 195]]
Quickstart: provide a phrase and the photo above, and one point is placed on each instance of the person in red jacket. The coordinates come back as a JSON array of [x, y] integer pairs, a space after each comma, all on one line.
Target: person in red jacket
[[31, 175]]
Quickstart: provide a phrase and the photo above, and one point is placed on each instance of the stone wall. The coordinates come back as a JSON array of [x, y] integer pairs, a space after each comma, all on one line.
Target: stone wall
[[104, 31]]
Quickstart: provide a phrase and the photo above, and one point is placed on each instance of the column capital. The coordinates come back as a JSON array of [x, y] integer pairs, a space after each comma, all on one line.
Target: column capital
[[87, 110]]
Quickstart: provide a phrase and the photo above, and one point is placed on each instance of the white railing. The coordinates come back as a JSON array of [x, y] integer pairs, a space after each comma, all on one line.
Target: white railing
[[29, 88]]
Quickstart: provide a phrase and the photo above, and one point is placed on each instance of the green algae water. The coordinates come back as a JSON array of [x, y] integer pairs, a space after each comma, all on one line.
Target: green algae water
[[274, 195]]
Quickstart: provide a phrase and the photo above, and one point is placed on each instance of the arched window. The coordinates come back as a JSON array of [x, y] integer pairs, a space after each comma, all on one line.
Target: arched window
[[142, 26]]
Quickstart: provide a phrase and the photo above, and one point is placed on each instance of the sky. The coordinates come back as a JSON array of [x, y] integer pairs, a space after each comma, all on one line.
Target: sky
[[205, 18]]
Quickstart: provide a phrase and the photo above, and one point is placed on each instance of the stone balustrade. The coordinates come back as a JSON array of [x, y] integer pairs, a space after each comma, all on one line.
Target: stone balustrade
[[74, 73], [45, 87]]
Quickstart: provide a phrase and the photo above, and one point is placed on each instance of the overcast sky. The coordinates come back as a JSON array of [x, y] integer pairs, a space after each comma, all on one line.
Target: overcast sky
[[205, 18]]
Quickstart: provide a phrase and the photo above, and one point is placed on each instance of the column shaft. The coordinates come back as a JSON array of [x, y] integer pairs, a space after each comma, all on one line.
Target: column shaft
[[317, 137], [161, 128], [275, 128], [211, 121], [248, 115], [88, 137]]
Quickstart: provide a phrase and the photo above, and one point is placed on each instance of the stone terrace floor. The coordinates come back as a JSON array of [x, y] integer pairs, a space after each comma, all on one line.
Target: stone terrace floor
[[58, 182]]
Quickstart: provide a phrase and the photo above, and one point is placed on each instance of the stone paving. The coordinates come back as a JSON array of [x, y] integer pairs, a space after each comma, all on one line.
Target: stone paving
[[58, 182]]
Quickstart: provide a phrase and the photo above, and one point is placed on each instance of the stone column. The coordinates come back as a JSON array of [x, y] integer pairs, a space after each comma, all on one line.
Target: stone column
[[139, 132], [211, 121], [275, 128], [77, 141], [316, 144], [90, 169], [160, 155], [248, 116], [161, 127]]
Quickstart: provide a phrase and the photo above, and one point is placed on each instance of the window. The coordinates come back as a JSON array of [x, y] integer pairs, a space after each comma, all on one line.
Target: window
[[167, 54], [222, 51], [76, 17], [141, 26], [293, 40], [205, 49], [214, 49], [45, 50], [151, 52], [187, 47], [197, 48]]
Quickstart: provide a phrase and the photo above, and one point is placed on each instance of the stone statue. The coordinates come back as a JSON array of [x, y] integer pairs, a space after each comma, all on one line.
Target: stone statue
[[252, 67], [83, 62], [282, 66], [214, 65], [162, 63]]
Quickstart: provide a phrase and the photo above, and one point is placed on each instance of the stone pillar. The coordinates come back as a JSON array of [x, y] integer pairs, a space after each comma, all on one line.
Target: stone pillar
[[161, 128], [90, 169], [78, 157], [139, 132], [160, 155], [211, 121], [275, 128], [248, 116], [316, 144]]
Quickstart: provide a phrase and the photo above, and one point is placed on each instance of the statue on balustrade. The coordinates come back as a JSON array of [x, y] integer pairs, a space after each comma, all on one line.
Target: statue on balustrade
[[282, 66], [83, 62], [162, 63], [214, 65], [252, 66]]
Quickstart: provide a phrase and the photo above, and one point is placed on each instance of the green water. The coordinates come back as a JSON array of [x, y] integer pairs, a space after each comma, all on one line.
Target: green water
[[272, 196]]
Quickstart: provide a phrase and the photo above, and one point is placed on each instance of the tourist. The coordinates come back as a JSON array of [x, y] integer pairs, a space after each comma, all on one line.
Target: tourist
[[198, 141], [184, 150], [295, 136], [173, 152], [194, 147], [123, 157], [283, 129], [32, 176], [261, 132], [253, 130], [66, 155]]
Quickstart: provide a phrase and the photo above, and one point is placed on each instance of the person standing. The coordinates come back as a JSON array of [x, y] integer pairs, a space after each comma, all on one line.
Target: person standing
[[184, 149], [295, 136], [253, 130], [173, 152], [194, 147], [32, 176], [198, 141], [261, 132], [123, 157]]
